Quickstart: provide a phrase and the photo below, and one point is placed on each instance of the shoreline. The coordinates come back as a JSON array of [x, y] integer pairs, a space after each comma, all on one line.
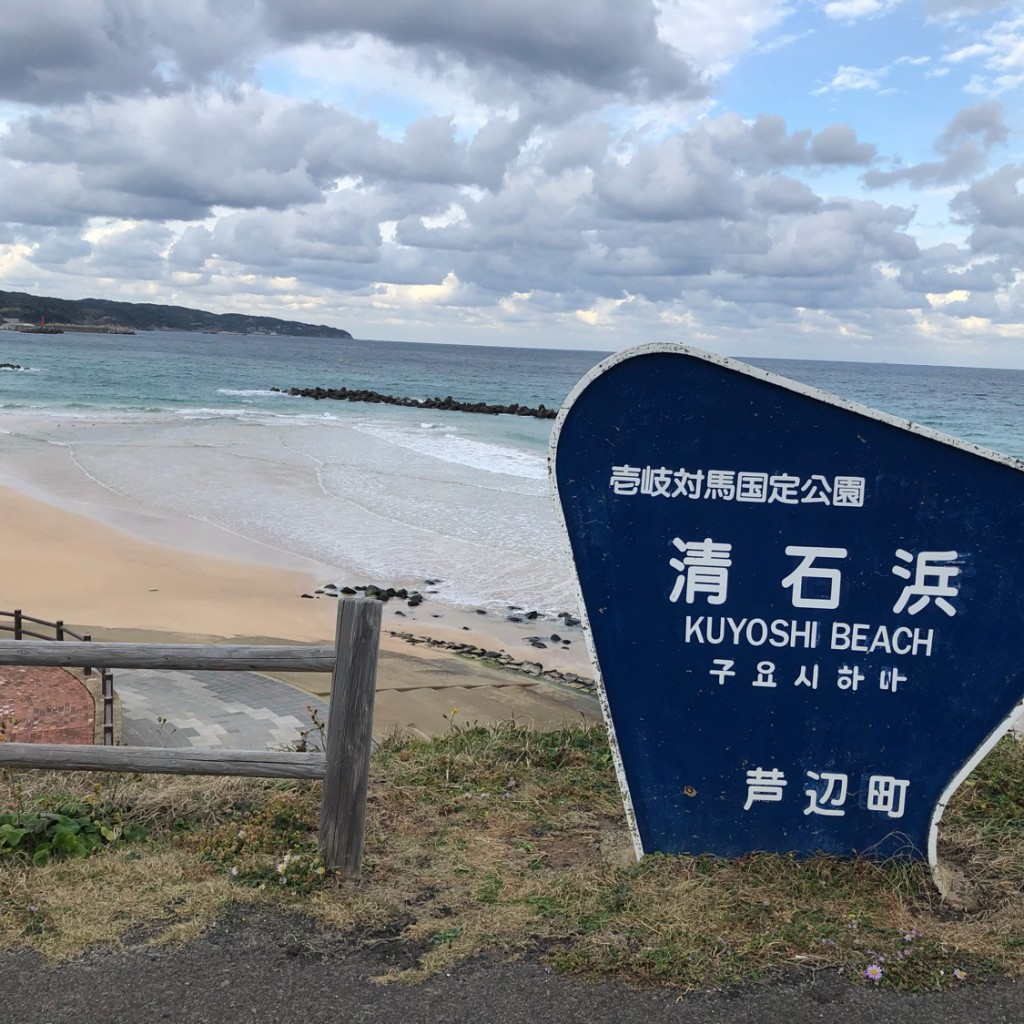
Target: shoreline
[[62, 564], [356, 526]]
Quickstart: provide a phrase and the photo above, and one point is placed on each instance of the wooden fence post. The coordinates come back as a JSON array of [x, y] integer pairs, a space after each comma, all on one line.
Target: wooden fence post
[[350, 735], [107, 685], [17, 623]]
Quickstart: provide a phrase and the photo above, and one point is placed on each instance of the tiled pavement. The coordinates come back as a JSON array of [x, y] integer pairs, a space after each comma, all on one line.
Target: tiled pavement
[[248, 711], [228, 710]]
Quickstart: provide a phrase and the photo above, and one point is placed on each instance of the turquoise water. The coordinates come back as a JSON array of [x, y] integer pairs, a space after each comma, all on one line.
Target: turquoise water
[[979, 405], [178, 437], [176, 371]]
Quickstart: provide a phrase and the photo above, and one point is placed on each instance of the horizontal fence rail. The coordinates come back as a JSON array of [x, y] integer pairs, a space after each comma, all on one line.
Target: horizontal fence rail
[[344, 767], [259, 764], [212, 657]]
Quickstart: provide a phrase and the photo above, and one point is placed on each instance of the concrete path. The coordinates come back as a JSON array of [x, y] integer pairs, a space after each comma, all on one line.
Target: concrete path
[[250, 711]]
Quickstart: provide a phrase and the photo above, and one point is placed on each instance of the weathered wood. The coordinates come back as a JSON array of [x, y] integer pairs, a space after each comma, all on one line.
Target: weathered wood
[[178, 761], [350, 736], [345, 768], [107, 687], [209, 657]]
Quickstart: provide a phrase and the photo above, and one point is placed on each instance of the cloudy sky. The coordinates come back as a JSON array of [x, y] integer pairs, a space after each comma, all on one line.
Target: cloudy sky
[[837, 179]]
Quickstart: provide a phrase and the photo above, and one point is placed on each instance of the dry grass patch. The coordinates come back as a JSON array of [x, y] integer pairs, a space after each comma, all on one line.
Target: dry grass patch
[[495, 840], [67, 906]]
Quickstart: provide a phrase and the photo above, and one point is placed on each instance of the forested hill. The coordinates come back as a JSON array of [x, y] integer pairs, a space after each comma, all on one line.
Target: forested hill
[[147, 316]]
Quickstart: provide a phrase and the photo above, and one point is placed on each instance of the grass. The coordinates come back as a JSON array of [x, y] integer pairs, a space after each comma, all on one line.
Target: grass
[[509, 842]]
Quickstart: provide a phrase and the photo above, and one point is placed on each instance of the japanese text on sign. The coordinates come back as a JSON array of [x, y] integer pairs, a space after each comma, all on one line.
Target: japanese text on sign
[[704, 570], [885, 794], [738, 485]]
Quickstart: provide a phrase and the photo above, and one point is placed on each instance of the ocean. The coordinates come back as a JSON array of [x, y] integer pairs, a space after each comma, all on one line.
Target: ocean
[[179, 438]]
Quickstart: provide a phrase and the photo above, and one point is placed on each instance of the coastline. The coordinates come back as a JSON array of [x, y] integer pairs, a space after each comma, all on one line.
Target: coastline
[[61, 564]]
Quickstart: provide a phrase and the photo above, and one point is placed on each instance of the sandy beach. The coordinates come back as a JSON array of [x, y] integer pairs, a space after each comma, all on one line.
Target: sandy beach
[[58, 564]]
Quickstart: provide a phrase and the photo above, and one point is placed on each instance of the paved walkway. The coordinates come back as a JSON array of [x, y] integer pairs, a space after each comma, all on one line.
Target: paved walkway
[[226, 710], [249, 711], [44, 705]]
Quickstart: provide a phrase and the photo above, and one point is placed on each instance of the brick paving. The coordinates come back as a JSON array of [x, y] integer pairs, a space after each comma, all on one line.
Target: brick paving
[[48, 705]]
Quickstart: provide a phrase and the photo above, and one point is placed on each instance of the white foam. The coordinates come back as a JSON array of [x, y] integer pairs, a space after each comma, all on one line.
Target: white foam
[[375, 499], [462, 451]]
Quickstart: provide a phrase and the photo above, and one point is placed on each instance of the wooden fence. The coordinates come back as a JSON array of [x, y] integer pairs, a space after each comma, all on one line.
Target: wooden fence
[[344, 767], [61, 632]]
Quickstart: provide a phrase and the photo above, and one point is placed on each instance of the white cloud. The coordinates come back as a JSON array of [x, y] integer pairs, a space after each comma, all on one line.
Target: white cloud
[[852, 10], [850, 78], [1001, 56], [517, 167], [967, 53], [716, 34], [374, 79]]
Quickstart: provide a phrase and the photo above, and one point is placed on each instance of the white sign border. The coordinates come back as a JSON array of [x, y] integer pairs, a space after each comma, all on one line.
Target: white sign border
[[822, 396]]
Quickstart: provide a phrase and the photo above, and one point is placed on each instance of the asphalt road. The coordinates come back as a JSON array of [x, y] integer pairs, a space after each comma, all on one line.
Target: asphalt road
[[259, 967]]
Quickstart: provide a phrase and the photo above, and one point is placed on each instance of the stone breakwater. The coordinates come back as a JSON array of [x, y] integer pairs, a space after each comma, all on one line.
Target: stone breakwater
[[447, 404]]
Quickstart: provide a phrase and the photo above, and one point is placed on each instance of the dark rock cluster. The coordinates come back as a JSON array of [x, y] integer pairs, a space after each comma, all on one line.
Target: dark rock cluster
[[10, 366], [414, 598], [448, 404], [501, 660]]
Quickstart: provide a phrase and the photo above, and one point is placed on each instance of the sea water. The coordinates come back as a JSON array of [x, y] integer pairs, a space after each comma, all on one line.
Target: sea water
[[179, 437]]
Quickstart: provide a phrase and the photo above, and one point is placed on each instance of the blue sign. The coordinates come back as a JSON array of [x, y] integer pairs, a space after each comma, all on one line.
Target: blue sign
[[803, 614]]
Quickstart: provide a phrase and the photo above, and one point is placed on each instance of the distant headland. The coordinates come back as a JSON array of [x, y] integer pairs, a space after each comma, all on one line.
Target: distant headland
[[21, 311]]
